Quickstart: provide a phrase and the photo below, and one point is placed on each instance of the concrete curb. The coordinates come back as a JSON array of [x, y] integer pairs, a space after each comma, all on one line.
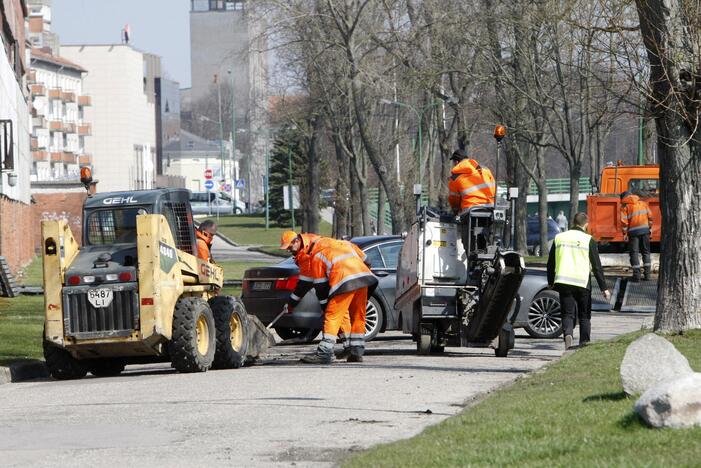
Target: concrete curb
[[282, 254], [219, 234], [20, 371]]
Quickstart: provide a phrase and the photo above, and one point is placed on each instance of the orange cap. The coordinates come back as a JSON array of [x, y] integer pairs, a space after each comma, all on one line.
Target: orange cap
[[286, 239]]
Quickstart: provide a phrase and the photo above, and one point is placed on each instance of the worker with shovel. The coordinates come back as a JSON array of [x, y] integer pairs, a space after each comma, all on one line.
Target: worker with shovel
[[337, 270]]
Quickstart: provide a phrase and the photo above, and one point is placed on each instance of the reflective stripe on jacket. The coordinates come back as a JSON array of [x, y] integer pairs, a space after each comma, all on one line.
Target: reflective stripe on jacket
[[338, 267], [470, 186], [572, 264], [303, 261], [636, 217]]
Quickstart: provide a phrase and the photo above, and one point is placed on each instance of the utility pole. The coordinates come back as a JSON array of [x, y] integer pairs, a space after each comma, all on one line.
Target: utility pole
[[221, 126], [234, 175], [267, 185]]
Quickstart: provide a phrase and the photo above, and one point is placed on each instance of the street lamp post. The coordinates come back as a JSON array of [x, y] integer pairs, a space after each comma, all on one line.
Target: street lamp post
[[233, 140], [267, 184], [290, 197]]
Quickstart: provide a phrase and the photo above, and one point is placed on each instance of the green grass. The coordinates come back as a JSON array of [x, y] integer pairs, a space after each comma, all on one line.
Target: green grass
[[31, 275], [574, 413], [233, 270], [21, 323], [250, 230]]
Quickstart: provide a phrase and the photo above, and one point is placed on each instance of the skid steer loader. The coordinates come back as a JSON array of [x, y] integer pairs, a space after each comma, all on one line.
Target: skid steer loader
[[134, 292]]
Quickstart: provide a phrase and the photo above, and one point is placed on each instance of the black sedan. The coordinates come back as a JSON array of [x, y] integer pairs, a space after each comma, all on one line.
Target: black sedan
[[267, 289]]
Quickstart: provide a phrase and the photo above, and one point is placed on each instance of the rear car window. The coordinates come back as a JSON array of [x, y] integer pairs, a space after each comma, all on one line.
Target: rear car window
[[374, 258], [390, 254]]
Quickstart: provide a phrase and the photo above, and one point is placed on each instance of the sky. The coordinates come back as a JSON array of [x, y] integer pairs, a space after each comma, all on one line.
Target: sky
[[160, 27]]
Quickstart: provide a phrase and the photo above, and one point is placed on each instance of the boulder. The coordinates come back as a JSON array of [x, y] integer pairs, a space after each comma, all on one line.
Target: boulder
[[649, 360], [675, 404]]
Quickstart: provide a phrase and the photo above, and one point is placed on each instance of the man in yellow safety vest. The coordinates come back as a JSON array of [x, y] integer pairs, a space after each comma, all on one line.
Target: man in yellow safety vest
[[573, 257]]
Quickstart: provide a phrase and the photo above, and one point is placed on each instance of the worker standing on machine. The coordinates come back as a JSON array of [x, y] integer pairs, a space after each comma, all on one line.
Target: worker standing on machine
[[636, 220], [471, 186]]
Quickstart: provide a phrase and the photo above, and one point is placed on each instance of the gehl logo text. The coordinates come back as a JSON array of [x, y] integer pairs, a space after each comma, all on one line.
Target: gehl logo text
[[210, 272], [119, 201]]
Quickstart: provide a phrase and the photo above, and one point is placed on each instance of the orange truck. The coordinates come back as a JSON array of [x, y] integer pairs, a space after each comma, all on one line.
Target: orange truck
[[604, 208]]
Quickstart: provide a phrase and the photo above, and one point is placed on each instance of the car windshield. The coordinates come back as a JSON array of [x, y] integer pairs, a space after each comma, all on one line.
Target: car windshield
[[113, 226]]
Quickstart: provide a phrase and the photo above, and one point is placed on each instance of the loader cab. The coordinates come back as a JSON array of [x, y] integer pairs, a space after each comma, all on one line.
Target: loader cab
[[110, 218]]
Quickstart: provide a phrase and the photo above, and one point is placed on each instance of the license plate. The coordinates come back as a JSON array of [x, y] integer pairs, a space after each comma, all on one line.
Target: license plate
[[262, 285], [100, 297]]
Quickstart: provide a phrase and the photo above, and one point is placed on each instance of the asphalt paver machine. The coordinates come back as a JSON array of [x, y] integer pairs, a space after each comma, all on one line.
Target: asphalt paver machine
[[135, 292], [450, 296]]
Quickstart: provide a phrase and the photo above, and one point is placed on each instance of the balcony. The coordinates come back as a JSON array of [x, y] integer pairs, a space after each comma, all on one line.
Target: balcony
[[68, 127], [38, 90], [35, 143], [69, 158], [84, 129], [40, 155], [32, 77], [85, 160], [84, 101], [68, 97], [55, 125], [55, 93], [39, 122]]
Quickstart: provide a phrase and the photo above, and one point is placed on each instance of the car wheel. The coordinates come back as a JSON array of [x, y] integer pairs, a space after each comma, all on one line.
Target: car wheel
[[290, 333], [545, 316], [373, 318]]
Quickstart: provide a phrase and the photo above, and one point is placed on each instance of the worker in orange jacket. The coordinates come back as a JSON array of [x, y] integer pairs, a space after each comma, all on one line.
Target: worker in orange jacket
[[205, 236], [301, 246], [636, 221], [471, 186], [342, 281]]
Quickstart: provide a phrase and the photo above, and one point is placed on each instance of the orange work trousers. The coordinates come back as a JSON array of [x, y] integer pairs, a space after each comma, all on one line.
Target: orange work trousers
[[346, 312]]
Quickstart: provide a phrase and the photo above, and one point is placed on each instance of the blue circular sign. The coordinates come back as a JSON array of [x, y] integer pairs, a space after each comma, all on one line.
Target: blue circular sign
[[209, 184]]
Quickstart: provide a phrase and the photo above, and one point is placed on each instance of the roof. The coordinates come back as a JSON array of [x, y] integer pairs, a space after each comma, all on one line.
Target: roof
[[190, 142], [38, 54], [131, 197]]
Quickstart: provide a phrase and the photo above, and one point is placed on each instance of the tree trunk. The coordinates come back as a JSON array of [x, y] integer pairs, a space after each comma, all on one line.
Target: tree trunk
[[311, 218], [342, 193], [575, 174], [670, 33], [381, 199], [520, 226], [543, 215], [356, 208]]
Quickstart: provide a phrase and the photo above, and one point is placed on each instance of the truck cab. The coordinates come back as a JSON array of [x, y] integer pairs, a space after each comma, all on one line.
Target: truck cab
[[604, 207]]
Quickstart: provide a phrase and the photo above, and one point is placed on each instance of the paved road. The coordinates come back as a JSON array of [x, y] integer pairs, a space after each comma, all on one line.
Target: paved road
[[224, 251], [279, 413]]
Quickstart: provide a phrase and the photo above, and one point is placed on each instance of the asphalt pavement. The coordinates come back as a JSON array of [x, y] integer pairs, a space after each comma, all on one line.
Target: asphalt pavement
[[278, 413]]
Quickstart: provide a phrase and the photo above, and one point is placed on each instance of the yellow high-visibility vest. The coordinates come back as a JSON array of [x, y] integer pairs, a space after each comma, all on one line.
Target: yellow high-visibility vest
[[572, 265]]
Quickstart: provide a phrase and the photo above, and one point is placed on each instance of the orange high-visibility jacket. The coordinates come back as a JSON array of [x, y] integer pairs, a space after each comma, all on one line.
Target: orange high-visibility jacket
[[203, 243], [636, 217], [470, 185], [339, 267], [308, 274]]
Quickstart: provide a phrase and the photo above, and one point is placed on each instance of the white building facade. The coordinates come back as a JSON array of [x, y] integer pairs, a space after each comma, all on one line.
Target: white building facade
[[123, 114]]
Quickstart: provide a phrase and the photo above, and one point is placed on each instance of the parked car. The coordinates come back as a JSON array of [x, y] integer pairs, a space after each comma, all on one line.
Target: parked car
[[533, 234], [267, 289], [211, 203]]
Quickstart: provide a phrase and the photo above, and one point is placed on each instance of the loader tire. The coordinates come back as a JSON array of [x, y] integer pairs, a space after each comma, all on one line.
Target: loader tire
[[109, 367], [233, 330], [192, 345], [63, 366]]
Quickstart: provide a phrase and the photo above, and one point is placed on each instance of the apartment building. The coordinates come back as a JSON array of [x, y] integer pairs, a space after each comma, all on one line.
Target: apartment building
[[15, 157], [122, 86]]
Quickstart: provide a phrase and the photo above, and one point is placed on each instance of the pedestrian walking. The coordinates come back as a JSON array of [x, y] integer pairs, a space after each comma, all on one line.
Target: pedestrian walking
[[636, 221], [561, 221], [573, 257]]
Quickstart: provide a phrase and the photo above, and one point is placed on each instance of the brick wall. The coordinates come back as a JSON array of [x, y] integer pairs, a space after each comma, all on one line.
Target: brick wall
[[16, 232], [67, 206]]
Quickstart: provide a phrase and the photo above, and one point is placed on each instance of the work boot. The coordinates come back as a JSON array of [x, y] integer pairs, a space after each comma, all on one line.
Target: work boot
[[568, 342], [646, 273], [344, 353], [356, 354], [318, 358]]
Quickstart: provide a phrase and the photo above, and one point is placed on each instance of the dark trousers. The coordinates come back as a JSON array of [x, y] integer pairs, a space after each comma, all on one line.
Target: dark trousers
[[574, 298], [636, 246]]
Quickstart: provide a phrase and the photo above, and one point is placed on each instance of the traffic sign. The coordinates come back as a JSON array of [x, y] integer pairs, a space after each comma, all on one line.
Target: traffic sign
[[209, 184], [226, 187], [208, 174], [240, 183]]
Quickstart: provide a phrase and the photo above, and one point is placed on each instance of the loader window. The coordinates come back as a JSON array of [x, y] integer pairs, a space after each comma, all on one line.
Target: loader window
[[113, 226]]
